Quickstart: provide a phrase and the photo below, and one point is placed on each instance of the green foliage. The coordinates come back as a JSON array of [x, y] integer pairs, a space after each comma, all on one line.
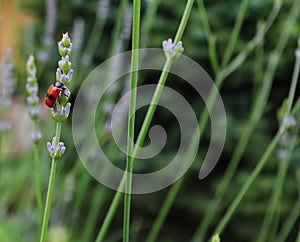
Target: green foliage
[[81, 204]]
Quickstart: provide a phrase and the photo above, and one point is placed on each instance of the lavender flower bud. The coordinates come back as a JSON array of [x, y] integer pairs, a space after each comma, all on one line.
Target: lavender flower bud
[[36, 136], [61, 113], [289, 122], [64, 64], [64, 78], [65, 45], [171, 50], [56, 151]]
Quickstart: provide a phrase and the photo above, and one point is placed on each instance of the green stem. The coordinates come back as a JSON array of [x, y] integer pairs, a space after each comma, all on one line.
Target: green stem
[[93, 40], [50, 188], [184, 20], [211, 39], [255, 116], [118, 195], [38, 185], [131, 115], [274, 200], [110, 214], [152, 107], [117, 28], [293, 86], [235, 32], [260, 165], [283, 164], [97, 202], [163, 212], [148, 21], [48, 201], [239, 59]]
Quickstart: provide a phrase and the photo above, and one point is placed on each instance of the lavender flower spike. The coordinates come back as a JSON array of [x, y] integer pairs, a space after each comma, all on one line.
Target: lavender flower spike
[[32, 89], [172, 50], [7, 80], [64, 72]]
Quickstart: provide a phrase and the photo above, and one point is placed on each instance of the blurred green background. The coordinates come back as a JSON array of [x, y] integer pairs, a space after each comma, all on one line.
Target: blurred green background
[[80, 202]]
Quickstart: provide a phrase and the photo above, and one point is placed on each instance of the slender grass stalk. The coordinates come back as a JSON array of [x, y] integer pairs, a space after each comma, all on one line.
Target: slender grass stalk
[[97, 202], [117, 28], [283, 164], [298, 236], [260, 165], [148, 21], [184, 20], [50, 187], [204, 117], [118, 195], [273, 205], [165, 208], [259, 67], [289, 222], [38, 189], [262, 162], [33, 111], [211, 39], [235, 32], [60, 112], [254, 118], [93, 40], [110, 214], [131, 115]]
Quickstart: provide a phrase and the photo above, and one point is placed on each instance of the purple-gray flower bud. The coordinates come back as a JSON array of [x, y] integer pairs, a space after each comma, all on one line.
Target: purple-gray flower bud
[[171, 50], [58, 151], [65, 45]]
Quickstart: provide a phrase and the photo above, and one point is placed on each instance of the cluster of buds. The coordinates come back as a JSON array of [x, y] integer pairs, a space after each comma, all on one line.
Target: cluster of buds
[[32, 96], [172, 50], [6, 89], [61, 108], [56, 150], [64, 73], [288, 139]]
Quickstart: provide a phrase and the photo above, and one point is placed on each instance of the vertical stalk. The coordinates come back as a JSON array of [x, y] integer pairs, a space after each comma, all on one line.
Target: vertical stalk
[[235, 32], [260, 165], [283, 164], [50, 188], [142, 133], [38, 187], [211, 39], [131, 116]]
